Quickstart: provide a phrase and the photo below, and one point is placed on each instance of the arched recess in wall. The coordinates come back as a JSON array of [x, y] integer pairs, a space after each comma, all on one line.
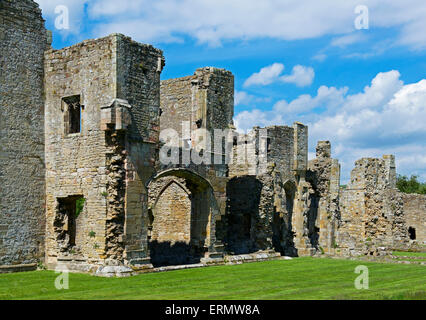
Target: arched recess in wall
[[181, 204]]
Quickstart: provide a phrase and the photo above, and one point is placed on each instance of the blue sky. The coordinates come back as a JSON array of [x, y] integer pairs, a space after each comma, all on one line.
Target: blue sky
[[303, 60]]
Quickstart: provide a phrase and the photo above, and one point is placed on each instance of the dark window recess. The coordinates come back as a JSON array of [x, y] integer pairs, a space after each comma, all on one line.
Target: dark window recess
[[235, 141], [71, 207], [269, 145], [75, 118], [412, 233], [199, 123], [73, 114]]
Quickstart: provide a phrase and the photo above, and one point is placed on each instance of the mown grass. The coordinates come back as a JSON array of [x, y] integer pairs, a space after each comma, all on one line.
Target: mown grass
[[303, 278], [409, 254]]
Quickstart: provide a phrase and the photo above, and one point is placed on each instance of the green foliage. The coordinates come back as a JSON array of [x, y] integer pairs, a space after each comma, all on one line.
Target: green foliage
[[410, 185], [41, 266], [79, 206], [92, 234], [104, 194]]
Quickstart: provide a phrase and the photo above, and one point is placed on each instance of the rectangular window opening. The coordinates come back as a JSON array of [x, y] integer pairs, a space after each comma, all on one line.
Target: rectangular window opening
[[73, 112], [71, 208]]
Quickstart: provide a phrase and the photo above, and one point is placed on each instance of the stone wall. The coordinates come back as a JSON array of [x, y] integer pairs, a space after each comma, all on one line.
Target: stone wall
[[276, 158], [23, 39], [109, 161], [324, 217], [202, 101], [372, 212], [81, 179], [415, 216], [76, 163], [139, 67]]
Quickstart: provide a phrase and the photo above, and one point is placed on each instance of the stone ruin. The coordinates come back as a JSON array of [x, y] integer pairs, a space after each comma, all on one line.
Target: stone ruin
[[82, 184]]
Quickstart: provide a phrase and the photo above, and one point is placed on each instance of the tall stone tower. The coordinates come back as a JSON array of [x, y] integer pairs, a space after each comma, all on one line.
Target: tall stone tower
[[102, 129], [23, 40]]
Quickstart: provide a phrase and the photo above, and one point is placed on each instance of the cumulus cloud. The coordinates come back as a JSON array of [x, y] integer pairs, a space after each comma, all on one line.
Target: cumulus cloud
[[301, 76], [215, 21], [75, 11], [266, 75], [387, 117]]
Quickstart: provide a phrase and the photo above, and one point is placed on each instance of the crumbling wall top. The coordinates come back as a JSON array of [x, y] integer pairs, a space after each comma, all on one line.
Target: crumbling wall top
[[323, 149]]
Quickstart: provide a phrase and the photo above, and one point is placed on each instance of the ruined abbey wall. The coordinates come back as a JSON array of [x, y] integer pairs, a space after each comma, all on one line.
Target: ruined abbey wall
[[415, 216], [23, 39], [82, 181], [76, 162], [269, 166], [139, 67], [115, 82], [204, 100], [372, 209], [324, 216]]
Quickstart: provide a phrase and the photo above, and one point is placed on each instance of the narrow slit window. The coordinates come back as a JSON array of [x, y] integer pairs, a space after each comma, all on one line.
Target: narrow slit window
[[412, 233]]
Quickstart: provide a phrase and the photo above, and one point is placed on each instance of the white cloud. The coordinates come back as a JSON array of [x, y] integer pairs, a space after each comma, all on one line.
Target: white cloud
[[213, 21], [266, 75], [388, 117], [243, 98], [382, 89], [301, 76], [320, 57], [75, 10], [347, 40]]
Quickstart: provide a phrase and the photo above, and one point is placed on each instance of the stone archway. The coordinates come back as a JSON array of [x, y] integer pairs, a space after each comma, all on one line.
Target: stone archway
[[181, 204]]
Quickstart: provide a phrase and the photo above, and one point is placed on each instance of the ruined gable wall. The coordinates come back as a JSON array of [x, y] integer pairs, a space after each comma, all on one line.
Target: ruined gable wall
[[415, 214], [205, 100], [371, 209], [23, 40], [76, 163]]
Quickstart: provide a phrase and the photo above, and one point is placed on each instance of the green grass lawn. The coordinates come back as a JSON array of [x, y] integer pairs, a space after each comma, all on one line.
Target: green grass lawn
[[409, 254], [303, 278]]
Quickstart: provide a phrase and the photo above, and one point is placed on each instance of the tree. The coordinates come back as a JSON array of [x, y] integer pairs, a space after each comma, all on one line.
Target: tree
[[410, 185]]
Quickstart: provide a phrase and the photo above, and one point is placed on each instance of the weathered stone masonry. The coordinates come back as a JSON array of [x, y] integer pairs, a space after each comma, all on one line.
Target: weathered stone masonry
[[23, 40], [82, 184], [110, 160]]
